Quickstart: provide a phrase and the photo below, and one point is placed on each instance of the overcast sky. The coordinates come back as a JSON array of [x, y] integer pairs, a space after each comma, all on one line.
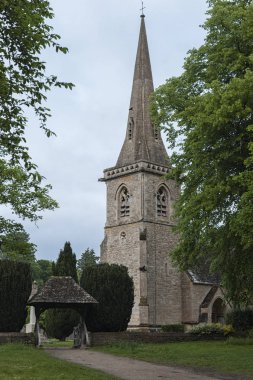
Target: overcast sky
[[90, 121]]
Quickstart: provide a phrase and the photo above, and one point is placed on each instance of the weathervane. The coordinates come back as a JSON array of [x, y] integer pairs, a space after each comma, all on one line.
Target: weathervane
[[142, 8]]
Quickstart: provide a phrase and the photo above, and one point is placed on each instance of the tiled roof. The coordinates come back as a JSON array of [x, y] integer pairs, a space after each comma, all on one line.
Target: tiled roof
[[61, 290]]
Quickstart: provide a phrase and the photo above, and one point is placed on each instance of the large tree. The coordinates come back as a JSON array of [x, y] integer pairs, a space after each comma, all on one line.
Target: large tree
[[208, 113], [24, 83]]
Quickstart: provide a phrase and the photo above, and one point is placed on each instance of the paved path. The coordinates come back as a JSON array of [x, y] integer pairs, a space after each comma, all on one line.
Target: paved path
[[130, 369]]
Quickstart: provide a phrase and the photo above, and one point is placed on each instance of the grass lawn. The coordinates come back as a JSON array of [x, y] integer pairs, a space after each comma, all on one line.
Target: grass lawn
[[219, 356], [58, 344], [22, 362]]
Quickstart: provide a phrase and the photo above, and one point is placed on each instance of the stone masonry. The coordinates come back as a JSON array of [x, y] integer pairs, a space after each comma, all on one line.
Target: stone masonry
[[139, 221]]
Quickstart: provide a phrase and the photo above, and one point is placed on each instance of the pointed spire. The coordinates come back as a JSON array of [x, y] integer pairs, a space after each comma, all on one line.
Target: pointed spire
[[142, 141]]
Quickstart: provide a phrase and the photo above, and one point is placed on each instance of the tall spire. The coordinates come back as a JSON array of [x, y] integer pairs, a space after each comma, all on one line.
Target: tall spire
[[142, 141]]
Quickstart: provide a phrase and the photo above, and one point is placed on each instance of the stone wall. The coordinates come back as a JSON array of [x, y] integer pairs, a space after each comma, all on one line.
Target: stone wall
[[142, 242], [13, 337], [100, 339]]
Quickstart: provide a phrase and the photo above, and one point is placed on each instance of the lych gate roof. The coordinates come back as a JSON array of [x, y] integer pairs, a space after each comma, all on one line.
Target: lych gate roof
[[61, 290]]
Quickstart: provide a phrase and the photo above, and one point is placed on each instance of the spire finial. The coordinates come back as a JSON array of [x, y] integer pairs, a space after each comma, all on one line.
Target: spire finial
[[142, 9]]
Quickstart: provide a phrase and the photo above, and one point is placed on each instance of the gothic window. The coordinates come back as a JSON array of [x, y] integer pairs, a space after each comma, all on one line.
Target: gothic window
[[162, 202], [124, 202]]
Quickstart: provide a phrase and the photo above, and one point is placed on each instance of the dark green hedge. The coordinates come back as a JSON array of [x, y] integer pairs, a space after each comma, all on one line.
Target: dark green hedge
[[59, 323], [113, 288], [15, 289], [241, 320]]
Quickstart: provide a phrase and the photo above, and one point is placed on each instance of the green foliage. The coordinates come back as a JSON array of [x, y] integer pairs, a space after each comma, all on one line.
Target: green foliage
[[112, 287], [88, 257], [15, 289], [45, 271], [59, 323], [66, 263], [208, 113], [16, 246], [173, 328], [24, 83], [241, 320], [212, 329]]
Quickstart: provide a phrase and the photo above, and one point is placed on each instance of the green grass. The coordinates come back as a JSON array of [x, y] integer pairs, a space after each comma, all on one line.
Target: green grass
[[216, 356], [22, 362], [57, 343]]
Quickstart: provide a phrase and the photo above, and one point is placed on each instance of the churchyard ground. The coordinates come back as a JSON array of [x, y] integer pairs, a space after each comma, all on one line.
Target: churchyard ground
[[231, 357], [23, 362]]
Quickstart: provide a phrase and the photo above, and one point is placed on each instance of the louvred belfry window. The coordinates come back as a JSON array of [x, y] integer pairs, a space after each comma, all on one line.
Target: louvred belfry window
[[124, 198], [161, 202]]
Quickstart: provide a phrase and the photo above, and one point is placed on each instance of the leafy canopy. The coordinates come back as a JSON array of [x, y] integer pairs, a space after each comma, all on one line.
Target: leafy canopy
[[208, 114], [24, 34]]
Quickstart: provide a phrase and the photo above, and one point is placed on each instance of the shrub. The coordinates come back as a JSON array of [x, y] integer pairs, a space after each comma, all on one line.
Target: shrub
[[112, 287], [59, 323], [241, 320], [213, 329], [173, 328], [15, 289]]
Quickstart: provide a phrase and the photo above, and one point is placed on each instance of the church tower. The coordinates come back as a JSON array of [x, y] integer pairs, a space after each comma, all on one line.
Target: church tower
[[138, 230]]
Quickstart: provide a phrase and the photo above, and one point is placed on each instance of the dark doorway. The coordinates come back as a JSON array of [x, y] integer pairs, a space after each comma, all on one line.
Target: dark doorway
[[218, 310]]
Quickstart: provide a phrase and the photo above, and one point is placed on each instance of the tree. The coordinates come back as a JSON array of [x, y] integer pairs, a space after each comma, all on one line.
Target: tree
[[44, 271], [16, 246], [112, 287], [15, 289], [59, 323], [88, 258], [66, 263], [208, 113], [24, 34]]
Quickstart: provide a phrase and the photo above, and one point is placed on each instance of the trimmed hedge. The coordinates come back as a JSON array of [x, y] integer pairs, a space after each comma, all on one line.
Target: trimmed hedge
[[173, 328], [15, 289], [241, 320], [112, 287]]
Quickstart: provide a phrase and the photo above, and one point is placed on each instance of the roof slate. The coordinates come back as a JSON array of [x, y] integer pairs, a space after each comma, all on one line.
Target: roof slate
[[61, 290]]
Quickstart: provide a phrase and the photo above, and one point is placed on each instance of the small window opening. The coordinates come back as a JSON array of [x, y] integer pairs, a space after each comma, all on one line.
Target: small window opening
[[130, 128], [156, 133], [161, 199], [124, 202]]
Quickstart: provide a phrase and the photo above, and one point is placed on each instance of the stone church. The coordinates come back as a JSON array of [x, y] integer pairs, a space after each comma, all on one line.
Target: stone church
[[139, 221]]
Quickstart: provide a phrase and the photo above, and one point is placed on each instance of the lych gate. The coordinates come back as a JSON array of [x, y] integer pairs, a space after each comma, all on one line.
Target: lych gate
[[62, 292]]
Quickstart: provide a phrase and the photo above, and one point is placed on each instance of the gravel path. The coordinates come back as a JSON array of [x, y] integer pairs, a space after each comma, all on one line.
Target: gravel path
[[131, 369]]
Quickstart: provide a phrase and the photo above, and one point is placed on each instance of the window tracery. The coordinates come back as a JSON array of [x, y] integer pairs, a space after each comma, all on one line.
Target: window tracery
[[124, 200], [162, 202]]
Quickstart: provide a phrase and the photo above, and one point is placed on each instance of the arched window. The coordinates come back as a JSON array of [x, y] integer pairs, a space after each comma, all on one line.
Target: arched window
[[124, 204], [162, 202]]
